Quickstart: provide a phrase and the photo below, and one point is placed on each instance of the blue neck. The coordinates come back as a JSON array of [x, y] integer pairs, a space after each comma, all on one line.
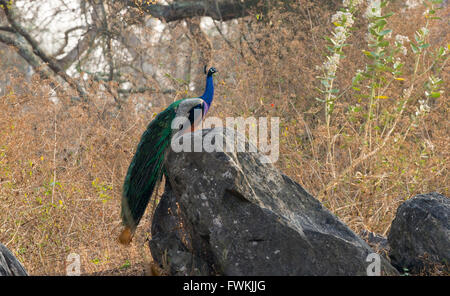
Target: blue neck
[[209, 91]]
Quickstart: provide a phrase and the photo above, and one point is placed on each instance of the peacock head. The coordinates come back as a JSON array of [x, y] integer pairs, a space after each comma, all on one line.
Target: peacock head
[[211, 71]]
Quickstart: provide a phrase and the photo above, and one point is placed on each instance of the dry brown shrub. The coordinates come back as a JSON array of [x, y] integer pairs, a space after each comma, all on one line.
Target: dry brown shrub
[[62, 167], [271, 72]]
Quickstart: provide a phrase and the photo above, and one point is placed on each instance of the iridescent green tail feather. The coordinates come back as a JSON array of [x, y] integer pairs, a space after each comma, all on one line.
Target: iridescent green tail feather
[[145, 170]]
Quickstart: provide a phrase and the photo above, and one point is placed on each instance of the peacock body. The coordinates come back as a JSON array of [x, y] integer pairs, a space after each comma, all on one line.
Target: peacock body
[[147, 166]]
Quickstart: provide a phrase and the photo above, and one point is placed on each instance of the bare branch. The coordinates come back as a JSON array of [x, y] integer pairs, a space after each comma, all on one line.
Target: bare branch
[[37, 65], [66, 39], [37, 50], [226, 39], [218, 10], [144, 89], [27, 55], [108, 52], [7, 29], [83, 44]]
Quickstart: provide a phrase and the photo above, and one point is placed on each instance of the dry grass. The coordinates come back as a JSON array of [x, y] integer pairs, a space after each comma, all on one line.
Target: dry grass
[[61, 176], [62, 166]]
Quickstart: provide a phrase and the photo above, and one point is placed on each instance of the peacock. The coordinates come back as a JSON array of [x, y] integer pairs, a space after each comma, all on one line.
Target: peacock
[[147, 166]]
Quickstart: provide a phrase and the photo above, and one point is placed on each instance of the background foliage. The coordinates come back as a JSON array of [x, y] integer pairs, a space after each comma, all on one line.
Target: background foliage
[[377, 137]]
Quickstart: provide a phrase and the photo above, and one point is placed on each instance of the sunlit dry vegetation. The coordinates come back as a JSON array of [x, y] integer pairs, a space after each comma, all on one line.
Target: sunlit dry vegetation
[[374, 138]]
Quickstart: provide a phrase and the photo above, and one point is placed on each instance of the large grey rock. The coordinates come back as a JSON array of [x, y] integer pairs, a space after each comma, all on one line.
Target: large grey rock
[[9, 265], [419, 238], [228, 213]]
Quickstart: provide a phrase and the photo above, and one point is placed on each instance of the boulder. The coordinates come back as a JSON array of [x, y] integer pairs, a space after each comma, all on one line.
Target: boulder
[[228, 213], [9, 265], [419, 237]]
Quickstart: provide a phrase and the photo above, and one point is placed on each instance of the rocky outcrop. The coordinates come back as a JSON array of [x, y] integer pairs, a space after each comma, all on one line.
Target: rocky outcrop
[[9, 265], [419, 238], [227, 213]]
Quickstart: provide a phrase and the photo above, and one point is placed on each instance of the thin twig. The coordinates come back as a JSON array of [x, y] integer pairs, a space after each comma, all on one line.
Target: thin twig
[[54, 158]]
